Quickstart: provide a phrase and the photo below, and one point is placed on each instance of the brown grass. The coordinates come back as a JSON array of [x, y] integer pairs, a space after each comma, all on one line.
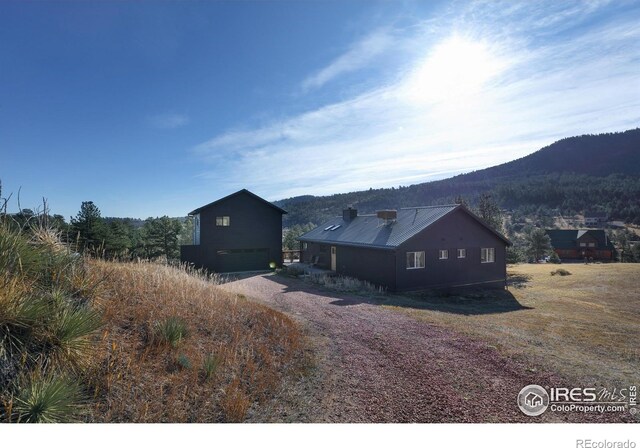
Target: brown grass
[[256, 349], [584, 326]]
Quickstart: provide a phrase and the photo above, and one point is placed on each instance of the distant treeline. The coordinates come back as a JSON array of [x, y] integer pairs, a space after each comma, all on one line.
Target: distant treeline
[[122, 238], [617, 194], [573, 175]]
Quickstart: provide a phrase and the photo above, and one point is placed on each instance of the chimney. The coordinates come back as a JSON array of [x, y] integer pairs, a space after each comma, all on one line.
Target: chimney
[[349, 213], [387, 215]]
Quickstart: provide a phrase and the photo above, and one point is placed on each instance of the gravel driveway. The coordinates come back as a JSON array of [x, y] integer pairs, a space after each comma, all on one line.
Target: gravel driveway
[[377, 364]]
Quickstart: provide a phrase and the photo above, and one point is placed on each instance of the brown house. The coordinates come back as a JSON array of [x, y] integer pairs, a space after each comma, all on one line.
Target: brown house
[[581, 244], [240, 232], [411, 248]]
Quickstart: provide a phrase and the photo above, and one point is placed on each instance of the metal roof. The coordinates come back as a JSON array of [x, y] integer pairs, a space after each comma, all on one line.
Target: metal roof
[[243, 191], [568, 238], [369, 230]]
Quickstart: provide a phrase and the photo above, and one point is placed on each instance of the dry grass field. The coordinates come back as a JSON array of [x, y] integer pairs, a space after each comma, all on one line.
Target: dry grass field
[[585, 326], [175, 347]]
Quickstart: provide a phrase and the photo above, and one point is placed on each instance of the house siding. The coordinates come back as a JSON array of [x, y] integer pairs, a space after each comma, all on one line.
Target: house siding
[[387, 267], [373, 265], [251, 241], [457, 230]]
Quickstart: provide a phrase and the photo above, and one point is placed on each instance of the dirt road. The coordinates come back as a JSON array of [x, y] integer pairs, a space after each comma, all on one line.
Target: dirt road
[[378, 364]]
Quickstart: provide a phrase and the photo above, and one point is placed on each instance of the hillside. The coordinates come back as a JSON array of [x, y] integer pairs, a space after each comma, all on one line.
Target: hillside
[[84, 339], [572, 174]]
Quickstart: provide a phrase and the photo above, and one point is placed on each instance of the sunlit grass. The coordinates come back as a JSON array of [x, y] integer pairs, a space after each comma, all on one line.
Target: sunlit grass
[[177, 348]]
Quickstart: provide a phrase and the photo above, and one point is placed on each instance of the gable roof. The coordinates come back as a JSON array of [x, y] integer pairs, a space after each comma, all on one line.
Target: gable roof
[[568, 239], [370, 231], [243, 191]]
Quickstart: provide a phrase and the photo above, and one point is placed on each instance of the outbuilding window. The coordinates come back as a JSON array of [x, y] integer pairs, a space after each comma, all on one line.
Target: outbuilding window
[[223, 221], [196, 229], [415, 260], [462, 253], [443, 254], [487, 255]]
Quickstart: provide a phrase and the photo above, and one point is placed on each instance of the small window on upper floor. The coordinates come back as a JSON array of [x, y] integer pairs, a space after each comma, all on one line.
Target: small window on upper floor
[[443, 254], [462, 253], [223, 221], [583, 244], [592, 244]]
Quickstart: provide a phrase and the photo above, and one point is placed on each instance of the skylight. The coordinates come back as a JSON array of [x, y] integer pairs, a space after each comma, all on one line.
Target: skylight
[[335, 227]]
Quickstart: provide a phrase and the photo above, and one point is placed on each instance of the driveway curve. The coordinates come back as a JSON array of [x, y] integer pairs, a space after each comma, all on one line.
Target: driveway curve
[[379, 364]]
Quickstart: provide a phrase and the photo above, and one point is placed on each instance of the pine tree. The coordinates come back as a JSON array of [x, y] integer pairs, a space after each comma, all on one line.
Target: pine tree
[[89, 227], [489, 211], [162, 237], [538, 244]]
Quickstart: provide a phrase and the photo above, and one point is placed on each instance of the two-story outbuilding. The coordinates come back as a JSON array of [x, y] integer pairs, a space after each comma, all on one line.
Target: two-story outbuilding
[[240, 232]]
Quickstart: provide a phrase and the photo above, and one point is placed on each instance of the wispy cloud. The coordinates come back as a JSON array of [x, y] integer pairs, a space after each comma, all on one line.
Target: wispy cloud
[[168, 121], [493, 86], [359, 55]]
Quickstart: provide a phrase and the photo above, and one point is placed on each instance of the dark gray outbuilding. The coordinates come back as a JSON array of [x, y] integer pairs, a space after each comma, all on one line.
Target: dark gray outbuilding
[[240, 232], [410, 249]]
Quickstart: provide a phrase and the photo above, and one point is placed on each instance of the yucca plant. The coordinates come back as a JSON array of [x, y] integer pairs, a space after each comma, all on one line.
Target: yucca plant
[[17, 256], [46, 325], [49, 399], [171, 330], [67, 337]]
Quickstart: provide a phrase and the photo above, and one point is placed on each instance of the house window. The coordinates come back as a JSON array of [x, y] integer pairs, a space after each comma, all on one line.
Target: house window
[[415, 260], [462, 253], [196, 229], [223, 221], [443, 254], [304, 246], [592, 244], [487, 255], [583, 244]]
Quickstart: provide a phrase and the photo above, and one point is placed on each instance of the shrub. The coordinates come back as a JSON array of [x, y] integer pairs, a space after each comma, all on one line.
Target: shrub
[[51, 399], [554, 258], [515, 255], [345, 284], [560, 272], [68, 340], [171, 330], [293, 270], [47, 325]]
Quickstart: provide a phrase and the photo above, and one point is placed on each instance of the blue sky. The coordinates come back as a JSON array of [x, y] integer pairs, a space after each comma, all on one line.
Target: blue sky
[[154, 108]]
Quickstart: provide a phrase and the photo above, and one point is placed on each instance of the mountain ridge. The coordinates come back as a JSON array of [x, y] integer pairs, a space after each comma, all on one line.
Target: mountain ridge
[[604, 167]]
